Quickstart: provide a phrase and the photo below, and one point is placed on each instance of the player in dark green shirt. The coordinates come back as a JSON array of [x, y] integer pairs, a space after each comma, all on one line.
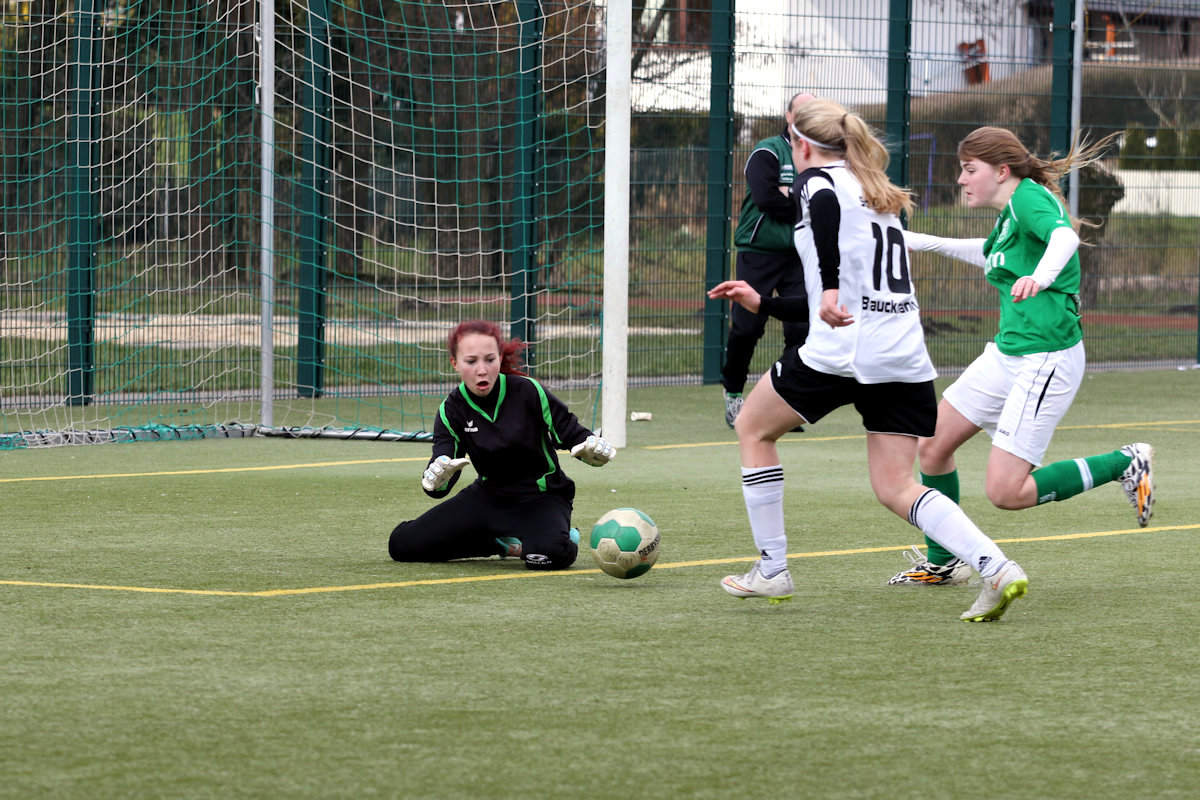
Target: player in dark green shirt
[[509, 429], [766, 257]]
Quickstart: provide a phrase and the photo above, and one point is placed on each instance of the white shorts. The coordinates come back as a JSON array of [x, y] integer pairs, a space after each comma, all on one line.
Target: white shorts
[[1019, 400]]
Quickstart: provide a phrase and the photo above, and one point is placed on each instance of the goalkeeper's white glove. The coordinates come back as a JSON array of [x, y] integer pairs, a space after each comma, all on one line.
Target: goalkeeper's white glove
[[440, 471], [595, 451]]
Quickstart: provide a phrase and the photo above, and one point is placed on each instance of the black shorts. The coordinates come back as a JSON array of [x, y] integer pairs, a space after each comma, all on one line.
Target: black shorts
[[905, 408]]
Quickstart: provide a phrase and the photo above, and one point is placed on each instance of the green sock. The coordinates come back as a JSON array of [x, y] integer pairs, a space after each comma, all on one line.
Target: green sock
[[1064, 479], [948, 485]]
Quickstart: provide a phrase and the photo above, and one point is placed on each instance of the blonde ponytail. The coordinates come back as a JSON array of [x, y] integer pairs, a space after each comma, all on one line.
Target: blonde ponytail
[[836, 131]]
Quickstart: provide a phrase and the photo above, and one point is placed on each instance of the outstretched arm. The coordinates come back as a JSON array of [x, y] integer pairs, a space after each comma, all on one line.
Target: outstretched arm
[[739, 292], [968, 250], [786, 308]]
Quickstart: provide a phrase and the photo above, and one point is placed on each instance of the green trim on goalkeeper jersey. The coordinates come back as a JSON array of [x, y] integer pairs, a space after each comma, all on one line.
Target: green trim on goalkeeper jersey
[[549, 420], [501, 388], [449, 429]]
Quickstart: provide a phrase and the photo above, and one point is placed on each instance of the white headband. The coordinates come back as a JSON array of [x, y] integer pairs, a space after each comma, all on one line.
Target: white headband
[[813, 141]]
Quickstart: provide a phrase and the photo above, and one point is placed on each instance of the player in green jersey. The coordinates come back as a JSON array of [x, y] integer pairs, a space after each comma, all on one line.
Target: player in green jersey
[[1022, 385]]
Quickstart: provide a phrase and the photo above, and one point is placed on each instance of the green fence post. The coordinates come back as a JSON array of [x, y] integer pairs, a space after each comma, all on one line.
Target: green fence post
[[525, 227], [720, 185], [314, 185], [83, 228], [1060, 80], [899, 89]]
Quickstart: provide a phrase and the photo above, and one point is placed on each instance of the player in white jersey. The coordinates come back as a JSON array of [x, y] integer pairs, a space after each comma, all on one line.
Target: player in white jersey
[[865, 346], [887, 343], [1022, 385]]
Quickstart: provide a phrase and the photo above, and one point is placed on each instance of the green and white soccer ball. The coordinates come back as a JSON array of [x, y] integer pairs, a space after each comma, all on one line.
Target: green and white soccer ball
[[625, 543]]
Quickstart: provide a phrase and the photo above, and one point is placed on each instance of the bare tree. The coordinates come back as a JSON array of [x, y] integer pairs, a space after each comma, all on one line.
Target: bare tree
[[1168, 95]]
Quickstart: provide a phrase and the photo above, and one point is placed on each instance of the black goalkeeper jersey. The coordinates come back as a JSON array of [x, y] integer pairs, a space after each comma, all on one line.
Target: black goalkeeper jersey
[[511, 436]]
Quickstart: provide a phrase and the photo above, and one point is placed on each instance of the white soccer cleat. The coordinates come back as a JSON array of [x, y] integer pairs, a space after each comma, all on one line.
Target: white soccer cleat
[[998, 593], [954, 572], [776, 589], [1138, 480]]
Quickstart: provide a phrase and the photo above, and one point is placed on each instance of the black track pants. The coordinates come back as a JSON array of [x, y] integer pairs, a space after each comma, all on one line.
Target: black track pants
[[468, 524], [768, 273]]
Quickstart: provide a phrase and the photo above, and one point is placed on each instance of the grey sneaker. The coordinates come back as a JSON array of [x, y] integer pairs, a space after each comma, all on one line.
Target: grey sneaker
[[954, 572], [998, 592], [776, 589], [733, 406], [1138, 480]]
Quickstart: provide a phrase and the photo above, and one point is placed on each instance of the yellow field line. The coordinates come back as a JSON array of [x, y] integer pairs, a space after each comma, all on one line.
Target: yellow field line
[[1061, 537], [214, 471], [283, 592], [734, 443], [527, 574], [801, 440], [142, 589], [318, 464], [1130, 425]]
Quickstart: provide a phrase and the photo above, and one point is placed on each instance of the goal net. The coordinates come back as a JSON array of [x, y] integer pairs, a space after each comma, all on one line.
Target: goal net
[[217, 223]]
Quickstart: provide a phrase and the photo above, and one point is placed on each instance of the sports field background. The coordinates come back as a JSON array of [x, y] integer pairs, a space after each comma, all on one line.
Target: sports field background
[[221, 619]]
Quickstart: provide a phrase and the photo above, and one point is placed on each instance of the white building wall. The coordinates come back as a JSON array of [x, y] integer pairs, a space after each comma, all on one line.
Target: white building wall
[[1152, 192], [838, 49]]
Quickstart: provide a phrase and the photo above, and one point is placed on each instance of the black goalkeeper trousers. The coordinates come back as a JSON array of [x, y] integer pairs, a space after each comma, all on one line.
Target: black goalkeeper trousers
[[468, 524], [769, 273]]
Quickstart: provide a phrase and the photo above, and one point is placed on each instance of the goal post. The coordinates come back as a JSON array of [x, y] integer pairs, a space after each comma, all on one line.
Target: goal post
[[266, 83], [615, 331]]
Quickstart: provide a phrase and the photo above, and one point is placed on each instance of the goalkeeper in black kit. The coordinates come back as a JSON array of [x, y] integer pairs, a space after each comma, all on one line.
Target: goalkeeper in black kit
[[509, 429]]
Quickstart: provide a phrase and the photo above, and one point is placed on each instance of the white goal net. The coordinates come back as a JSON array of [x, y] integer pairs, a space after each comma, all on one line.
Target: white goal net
[[218, 224]]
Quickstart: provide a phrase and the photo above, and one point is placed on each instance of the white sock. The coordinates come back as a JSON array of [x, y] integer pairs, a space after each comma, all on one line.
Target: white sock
[[942, 520], [762, 489]]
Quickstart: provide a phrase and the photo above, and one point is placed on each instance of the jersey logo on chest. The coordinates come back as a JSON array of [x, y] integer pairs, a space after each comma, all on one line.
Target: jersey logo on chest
[[470, 427], [1005, 232]]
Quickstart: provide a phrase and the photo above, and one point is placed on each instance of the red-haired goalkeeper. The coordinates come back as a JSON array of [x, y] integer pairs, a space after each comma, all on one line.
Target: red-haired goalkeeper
[[509, 428]]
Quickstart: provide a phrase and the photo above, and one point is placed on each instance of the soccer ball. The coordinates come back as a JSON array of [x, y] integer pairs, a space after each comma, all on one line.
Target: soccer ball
[[625, 543]]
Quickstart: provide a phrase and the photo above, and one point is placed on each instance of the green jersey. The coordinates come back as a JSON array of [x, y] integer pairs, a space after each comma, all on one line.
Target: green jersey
[[1051, 320]]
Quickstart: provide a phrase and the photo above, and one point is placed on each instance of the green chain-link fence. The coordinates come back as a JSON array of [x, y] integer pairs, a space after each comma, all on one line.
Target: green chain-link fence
[[431, 161]]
